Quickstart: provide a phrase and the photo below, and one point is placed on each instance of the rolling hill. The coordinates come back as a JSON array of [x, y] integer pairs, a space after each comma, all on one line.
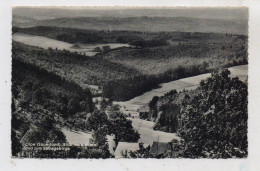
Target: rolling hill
[[149, 24]]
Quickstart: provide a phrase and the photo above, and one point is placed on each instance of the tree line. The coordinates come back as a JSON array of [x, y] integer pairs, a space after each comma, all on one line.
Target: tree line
[[129, 88]]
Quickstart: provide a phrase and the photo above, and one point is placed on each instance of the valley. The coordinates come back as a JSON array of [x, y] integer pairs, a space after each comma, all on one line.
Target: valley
[[131, 83]]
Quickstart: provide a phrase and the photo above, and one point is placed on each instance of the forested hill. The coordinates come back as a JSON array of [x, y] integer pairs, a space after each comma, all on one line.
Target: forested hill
[[44, 87], [150, 24]]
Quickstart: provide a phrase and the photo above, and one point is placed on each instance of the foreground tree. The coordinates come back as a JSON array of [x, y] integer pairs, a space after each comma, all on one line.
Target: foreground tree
[[122, 128], [214, 122], [99, 138]]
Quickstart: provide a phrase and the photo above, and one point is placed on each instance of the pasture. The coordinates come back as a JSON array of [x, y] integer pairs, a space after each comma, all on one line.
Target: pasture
[[45, 43]]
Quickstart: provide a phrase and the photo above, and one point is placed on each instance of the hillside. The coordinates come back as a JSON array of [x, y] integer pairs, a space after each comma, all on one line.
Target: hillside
[[42, 102], [128, 72]]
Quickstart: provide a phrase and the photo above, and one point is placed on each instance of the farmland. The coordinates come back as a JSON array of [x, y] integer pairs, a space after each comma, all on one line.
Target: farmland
[[45, 43]]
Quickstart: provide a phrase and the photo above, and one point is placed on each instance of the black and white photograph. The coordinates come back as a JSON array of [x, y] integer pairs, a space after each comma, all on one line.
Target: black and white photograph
[[129, 82]]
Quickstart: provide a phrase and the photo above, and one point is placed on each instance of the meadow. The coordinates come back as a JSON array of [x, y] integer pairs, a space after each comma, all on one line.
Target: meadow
[[45, 43]]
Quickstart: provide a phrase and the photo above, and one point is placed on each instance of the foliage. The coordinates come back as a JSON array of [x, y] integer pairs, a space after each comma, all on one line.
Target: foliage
[[46, 124], [127, 73], [99, 137], [115, 124], [80, 37], [164, 111], [128, 88], [167, 119], [40, 135], [122, 128], [214, 122], [42, 87], [153, 102], [97, 120], [42, 100], [73, 106], [16, 145], [149, 43], [45, 131]]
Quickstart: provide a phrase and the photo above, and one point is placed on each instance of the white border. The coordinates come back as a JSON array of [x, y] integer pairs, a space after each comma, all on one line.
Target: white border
[[249, 164]]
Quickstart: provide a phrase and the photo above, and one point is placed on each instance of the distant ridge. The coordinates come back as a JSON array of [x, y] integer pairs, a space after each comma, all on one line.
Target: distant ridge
[[43, 13], [149, 24], [22, 19]]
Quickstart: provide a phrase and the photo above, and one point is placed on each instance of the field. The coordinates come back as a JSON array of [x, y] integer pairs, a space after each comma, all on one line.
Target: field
[[45, 43]]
